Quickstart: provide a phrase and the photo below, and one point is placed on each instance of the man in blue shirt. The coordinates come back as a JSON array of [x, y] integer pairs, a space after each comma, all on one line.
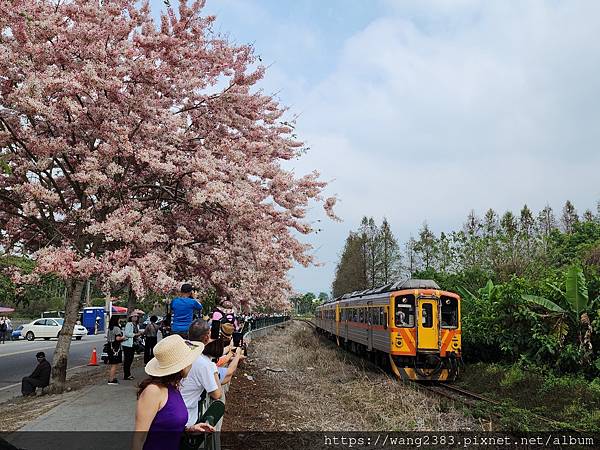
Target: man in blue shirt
[[182, 310]]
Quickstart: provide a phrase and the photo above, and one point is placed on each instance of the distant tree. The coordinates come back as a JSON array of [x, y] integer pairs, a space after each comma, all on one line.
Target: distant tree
[[509, 227], [372, 247], [391, 258], [491, 235], [307, 303], [323, 297], [445, 253], [426, 246], [473, 224], [546, 221], [491, 223], [588, 216], [569, 217], [469, 240], [351, 273], [412, 263], [526, 232]]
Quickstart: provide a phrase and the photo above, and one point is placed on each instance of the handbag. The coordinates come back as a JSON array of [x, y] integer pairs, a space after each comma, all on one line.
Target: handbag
[[104, 354], [138, 347]]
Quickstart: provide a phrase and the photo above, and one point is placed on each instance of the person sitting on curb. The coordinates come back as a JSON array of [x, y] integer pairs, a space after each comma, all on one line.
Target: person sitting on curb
[[40, 377]]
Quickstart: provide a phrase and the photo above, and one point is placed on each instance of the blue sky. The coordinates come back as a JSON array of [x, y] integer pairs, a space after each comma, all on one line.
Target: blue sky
[[421, 110]]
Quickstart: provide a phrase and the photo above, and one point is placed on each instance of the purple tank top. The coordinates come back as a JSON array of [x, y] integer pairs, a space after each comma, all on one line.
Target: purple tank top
[[168, 424]]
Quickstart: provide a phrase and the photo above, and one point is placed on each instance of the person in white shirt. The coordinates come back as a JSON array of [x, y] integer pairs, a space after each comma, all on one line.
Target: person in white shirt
[[203, 375]]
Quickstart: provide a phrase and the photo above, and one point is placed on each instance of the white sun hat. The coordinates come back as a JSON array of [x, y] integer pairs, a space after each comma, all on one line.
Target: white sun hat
[[173, 354]]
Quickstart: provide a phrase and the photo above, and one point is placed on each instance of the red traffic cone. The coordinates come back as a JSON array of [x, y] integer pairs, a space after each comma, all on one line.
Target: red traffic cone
[[93, 358]]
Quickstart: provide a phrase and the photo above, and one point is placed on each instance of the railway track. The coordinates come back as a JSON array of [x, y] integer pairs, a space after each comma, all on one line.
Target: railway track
[[472, 399], [307, 321]]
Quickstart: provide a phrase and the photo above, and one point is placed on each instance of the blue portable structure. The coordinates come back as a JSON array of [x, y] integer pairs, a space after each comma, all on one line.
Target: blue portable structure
[[89, 319]]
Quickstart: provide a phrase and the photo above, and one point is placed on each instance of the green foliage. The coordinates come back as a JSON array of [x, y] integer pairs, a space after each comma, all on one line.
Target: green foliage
[[543, 302], [512, 376], [307, 303], [577, 292], [29, 300]]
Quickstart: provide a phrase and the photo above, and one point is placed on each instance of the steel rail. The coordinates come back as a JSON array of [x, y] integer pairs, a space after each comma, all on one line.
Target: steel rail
[[471, 398]]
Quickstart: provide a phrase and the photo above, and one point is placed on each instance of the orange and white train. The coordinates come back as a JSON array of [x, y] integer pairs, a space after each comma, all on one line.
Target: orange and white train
[[413, 325]]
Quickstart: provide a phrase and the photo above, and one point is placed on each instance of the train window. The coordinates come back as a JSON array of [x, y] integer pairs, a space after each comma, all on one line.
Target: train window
[[427, 315], [375, 315], [405, 311], [381, 317], [361, 315]]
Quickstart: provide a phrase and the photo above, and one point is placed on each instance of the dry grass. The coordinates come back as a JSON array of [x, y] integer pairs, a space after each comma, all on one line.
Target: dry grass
[[323, 388]]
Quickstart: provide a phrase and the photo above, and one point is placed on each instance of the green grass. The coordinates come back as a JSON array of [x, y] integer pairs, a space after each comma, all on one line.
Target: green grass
[[571, 400]]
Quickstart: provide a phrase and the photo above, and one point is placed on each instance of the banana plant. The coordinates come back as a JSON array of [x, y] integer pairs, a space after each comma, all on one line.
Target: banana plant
[[577, 301], [487, 292]]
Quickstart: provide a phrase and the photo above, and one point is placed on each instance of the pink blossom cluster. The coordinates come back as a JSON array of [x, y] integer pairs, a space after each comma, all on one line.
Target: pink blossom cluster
[[142, 153]]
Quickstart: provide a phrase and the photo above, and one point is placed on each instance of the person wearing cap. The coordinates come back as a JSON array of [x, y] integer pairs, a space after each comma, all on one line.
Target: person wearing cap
[[183, 308], [161, 414], [40, 377]]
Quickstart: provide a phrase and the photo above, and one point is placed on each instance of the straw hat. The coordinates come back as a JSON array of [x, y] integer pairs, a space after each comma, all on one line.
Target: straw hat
[[227, 329], [173, 354]]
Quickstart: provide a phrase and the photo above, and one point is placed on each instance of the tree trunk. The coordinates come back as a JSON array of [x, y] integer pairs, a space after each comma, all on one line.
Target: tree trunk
[[131, 298], [61, 353]]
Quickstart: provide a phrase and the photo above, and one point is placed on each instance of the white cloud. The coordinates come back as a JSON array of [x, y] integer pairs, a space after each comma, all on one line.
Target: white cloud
[[436, 109]]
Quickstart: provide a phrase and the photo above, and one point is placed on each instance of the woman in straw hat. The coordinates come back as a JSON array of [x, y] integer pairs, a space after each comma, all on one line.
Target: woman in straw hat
[[161, 413]]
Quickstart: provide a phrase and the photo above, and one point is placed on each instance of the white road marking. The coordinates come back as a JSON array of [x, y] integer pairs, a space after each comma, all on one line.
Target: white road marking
[[50, 348]]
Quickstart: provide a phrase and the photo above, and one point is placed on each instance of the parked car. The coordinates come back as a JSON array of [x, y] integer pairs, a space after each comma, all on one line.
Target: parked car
[[16, 334], [49, 328]]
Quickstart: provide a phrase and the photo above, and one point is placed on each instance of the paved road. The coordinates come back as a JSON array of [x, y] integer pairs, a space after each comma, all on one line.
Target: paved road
[[17, 359]]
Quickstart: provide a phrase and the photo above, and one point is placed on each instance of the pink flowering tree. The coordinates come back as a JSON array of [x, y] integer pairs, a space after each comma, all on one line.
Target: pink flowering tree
[[141, 153]]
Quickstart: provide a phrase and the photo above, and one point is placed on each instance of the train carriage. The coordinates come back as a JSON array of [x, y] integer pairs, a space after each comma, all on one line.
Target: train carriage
[[413, 325]]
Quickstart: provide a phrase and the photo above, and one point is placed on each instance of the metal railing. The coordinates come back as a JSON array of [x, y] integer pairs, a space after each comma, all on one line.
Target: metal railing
[[263, 322]]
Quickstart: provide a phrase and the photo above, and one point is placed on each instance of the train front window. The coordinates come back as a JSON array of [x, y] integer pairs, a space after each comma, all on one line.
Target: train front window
[[449, 312], [427, 315], [405, 311]]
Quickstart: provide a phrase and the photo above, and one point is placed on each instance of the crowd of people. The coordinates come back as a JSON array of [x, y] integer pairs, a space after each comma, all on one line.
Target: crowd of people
[[190, 367]]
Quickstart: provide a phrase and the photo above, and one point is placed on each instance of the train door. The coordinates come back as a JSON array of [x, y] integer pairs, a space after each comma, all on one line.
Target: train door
[[428, 328], [369, 322], [337, 324], [346, 316]]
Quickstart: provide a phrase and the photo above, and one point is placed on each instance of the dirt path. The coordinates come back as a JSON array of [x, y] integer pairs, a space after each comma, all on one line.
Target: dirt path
[[295, 381]]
